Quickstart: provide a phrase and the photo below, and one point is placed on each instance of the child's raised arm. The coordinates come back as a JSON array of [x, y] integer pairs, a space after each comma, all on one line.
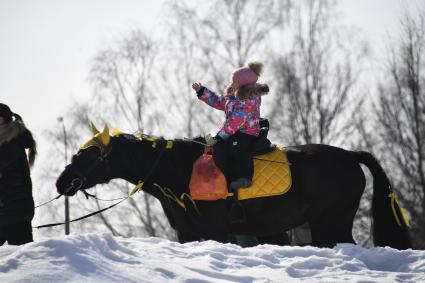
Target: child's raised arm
[[209, 97]]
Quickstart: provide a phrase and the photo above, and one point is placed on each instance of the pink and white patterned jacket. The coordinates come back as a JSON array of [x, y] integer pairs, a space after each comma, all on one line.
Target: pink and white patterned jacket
[[241, 115]]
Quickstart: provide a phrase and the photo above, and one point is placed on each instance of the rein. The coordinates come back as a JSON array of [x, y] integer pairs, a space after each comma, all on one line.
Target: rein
[[82, 217], [167, 192], [253, 157], [140, 183], [77, 183]]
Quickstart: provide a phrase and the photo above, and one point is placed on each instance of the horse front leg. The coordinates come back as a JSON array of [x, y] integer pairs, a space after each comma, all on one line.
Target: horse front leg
[[186, 237], [220, 237]]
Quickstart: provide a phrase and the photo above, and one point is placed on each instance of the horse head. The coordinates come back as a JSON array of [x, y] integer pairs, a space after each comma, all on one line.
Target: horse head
[[91, 165]]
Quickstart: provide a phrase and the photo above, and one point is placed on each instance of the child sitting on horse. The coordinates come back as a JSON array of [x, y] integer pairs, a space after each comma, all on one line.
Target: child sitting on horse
[[233, 142]]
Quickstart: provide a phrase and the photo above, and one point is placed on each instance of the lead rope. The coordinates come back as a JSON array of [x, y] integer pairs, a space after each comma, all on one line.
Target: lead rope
[[55, 198], [82, 217], [136, 188], [44, 203], [90, 214]]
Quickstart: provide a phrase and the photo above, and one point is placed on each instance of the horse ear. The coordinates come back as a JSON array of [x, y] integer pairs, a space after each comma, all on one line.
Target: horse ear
[[94, 129], [105, 137]]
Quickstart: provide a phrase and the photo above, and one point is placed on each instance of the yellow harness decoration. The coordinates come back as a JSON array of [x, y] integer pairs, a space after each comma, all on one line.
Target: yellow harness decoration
[[395, 201], [137, 188], [102, 139], [168, 145], [272, 176], [168, 193]]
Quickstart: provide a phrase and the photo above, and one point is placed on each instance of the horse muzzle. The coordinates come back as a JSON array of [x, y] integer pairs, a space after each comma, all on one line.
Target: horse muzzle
[[70, 186]]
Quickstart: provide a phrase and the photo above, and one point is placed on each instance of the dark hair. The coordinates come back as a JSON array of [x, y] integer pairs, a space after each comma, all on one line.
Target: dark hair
[[6, 113], [249, 91], [32, 150]]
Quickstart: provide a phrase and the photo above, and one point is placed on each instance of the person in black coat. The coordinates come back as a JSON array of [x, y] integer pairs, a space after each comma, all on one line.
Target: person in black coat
[[16, 200]]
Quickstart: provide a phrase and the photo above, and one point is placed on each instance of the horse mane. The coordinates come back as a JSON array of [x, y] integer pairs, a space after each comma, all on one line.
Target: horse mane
[[175, 169], [160, 140]]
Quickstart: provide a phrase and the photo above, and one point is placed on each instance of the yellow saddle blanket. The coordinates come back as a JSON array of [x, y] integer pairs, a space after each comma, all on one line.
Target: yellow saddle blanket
[[272, 176]]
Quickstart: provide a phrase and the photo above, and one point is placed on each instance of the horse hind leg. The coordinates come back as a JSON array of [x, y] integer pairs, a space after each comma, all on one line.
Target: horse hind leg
[[330, 230], [334, 225], [331, 219]]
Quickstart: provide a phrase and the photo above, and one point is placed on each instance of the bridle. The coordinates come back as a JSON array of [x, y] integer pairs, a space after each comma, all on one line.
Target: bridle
[[78, 182]]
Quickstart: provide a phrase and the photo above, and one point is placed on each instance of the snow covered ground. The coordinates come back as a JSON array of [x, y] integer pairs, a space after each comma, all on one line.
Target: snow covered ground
[[104, 258]]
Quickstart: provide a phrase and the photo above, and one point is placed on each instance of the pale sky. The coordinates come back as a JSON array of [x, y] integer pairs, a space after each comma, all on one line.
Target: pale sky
[[46, 45]]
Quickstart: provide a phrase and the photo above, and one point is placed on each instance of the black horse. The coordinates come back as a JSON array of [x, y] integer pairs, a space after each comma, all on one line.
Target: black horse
[[327, 184]]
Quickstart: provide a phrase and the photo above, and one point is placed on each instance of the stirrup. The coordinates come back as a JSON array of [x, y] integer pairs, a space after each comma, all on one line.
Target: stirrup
[[237, 213]]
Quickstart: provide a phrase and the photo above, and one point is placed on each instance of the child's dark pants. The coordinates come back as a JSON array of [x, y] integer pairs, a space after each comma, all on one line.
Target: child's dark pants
[[234, 156]]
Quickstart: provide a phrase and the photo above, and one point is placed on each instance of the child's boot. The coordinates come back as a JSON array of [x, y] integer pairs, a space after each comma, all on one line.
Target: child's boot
[[237, 212]]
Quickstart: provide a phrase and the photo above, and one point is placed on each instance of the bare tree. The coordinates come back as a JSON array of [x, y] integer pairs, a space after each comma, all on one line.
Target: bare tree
[[61, 140], [315, 80], [127, 92], [315, 84], [212, 40], [400, 123], [121, 75], [123, 79], [181, 67]]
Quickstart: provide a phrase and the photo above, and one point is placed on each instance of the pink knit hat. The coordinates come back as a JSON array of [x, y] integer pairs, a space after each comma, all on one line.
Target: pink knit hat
[[245, 76], [248, 75]]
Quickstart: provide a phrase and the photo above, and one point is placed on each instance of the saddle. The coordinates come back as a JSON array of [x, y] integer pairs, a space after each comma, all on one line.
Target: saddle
[[272, 174]]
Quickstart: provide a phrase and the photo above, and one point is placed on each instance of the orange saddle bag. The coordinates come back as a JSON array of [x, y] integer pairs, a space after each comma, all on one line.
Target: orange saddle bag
[[207, 181]]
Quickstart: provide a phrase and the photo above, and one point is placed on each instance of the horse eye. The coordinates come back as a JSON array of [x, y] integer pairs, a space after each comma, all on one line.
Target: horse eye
[[86, 155], [92, 153]]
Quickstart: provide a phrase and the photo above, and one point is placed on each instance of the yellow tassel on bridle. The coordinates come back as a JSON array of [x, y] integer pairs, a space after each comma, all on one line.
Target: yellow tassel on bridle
[[394, 201]]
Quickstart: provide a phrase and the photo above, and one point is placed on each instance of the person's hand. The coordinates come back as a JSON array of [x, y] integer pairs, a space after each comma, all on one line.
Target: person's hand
[[196, 86], [210, 141]]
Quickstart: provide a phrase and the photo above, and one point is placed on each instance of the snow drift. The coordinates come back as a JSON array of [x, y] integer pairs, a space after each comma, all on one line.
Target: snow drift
[[105, 258]]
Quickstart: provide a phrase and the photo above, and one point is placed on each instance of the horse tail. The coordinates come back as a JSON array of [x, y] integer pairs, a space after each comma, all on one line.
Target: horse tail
[[389, 222]]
